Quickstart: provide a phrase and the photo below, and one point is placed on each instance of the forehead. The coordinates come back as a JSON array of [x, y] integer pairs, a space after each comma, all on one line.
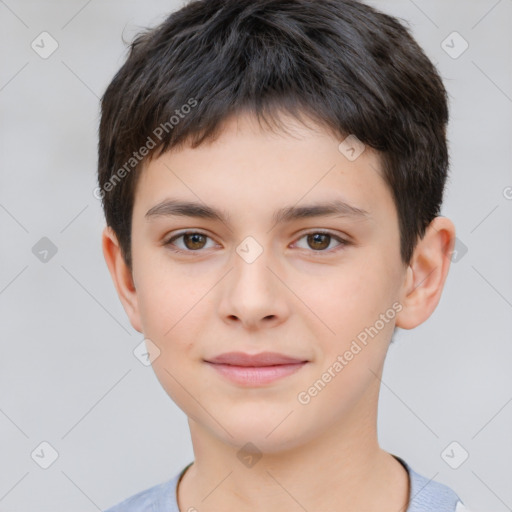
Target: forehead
[[249, 168]]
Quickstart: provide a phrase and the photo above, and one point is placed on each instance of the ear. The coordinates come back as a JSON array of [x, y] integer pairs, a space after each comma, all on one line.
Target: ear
[[426, 273], [122, 276]]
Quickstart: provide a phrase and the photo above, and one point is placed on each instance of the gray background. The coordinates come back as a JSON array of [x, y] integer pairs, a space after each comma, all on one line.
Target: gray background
[[68, 375]]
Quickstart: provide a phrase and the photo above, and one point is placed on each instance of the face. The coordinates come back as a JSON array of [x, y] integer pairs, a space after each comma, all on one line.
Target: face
[[318, 288]]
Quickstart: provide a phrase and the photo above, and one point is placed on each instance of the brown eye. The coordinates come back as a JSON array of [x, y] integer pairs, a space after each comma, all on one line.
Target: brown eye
[[192, 242], [319, 241]]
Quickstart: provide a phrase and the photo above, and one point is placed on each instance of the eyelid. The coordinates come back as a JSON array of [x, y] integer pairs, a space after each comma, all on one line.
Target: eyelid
[[167, 241], [343, 241]]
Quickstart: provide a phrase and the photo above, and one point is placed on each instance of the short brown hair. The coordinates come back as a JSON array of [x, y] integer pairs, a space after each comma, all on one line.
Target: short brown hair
[[341, 62]]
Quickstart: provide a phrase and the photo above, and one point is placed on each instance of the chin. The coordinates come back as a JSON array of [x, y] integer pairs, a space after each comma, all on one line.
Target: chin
[[262, 434]]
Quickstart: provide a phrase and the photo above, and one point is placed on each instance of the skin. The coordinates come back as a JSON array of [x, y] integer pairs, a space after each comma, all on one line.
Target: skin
[[298, 298]]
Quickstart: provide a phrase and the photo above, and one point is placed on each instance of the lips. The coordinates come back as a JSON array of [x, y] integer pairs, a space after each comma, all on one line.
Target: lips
[[257, 369], [254, 360]]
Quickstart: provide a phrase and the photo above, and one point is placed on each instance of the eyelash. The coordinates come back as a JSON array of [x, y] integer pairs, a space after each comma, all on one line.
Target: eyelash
[[342, 241]]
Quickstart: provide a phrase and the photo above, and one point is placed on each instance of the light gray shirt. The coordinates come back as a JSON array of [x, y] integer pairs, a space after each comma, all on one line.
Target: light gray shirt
[[425, 496]]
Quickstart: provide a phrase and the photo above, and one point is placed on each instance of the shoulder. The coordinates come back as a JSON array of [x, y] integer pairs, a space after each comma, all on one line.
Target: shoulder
[[427, 495], [158, 498]]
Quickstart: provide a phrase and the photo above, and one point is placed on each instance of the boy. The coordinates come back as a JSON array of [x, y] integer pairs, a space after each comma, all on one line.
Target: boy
[[272, 173]]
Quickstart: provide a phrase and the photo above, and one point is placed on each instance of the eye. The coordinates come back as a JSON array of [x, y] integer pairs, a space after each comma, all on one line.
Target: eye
[[320, 240], [193, 240]]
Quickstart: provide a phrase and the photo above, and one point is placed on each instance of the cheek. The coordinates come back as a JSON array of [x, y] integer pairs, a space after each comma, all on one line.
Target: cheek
[[174, 313], [347, 299], [350, 305], [165, 293]]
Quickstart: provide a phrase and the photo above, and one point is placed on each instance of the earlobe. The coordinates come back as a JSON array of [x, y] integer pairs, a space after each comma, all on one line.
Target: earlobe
[[427, 273], [121, 276]]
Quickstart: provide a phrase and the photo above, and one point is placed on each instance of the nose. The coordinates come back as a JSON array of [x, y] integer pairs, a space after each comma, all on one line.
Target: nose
[[253, 293]]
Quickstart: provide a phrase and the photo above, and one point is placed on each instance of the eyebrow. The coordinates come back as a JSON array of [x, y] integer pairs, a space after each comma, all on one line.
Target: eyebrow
[[338, 208]]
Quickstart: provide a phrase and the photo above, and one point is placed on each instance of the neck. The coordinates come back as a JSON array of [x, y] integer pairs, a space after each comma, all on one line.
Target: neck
[[342, 469]]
